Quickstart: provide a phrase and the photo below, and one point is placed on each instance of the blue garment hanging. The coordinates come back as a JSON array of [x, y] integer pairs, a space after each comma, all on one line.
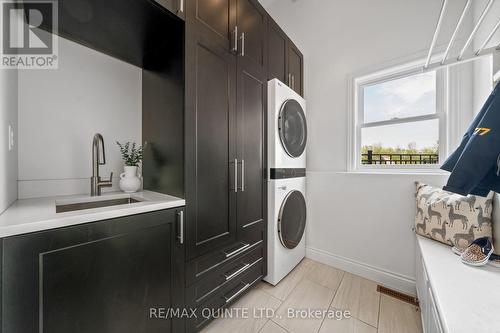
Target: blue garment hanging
[[475, 165]]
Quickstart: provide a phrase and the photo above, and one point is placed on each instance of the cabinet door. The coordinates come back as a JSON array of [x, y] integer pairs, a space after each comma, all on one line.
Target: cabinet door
[[99, 277], [278, 53], [295, 69], [175, 6], [251, 20], [251, 103], [210, 137], [434, 323], [213, 20], [251, 134]]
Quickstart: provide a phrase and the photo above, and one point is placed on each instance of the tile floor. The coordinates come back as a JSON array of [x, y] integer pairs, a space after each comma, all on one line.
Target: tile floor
[[312, 285]]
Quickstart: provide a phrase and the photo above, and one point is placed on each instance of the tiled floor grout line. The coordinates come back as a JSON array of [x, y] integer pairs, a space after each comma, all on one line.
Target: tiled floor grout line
[[277, 299], [379, 309], [263, 326], [279, 325], [333, 283], [291, 291], [303, 277], [330, 305]]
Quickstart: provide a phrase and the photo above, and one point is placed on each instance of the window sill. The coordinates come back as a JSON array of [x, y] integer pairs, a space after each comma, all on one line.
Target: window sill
[[419, 172]]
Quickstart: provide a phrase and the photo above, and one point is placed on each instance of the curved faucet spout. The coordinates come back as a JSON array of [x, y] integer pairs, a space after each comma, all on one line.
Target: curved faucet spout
[[98, 150], [98, 158]]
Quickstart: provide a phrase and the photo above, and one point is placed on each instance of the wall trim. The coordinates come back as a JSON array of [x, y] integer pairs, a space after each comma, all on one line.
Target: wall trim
[[386, 278]]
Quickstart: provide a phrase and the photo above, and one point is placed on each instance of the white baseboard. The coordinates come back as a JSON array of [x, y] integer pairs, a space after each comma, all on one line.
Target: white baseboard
[[386, 278]]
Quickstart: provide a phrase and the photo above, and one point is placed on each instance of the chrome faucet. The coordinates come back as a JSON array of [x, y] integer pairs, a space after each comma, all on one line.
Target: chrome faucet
[[97, 152]]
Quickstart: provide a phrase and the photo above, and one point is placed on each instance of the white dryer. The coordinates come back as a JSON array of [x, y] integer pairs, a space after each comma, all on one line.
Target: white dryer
[[286, 226], [287, 127]]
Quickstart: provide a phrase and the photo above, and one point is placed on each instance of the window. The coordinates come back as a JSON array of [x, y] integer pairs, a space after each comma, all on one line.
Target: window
[[399, 120]]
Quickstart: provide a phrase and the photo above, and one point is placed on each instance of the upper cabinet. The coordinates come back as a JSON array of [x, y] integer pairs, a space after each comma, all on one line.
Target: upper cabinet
[[278, 53], [175, 6], [286, 62], [212, 20], [129, 30], [250, 27], [295, 69]]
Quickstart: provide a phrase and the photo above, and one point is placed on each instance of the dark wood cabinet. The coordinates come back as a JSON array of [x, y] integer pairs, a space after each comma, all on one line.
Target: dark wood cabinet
[[97, 277], [278, 53], [175, 6], [225, 110], [251, 22], [286, 62], [210, 130], [212, 20], [251, 114], [295, 69], [226, 87]]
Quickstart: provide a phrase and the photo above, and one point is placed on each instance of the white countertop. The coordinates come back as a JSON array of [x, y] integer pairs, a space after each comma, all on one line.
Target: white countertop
[[30, 215], [467, 298]]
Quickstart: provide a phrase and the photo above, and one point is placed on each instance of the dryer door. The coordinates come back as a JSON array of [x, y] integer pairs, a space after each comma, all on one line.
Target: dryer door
[[292, 219], [292, 128]]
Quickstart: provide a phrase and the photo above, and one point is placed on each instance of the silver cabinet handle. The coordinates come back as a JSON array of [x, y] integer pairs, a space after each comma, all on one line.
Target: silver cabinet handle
[[229, 277], [235, 40], [181, 226], [236, 175], [242, 44], [293, 82], [181, 6], [229, 299], [242, 175], [238, 250], [290, 80]]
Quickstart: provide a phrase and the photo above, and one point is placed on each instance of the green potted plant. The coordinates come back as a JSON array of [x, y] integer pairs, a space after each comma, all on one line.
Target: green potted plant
[[130, 180]]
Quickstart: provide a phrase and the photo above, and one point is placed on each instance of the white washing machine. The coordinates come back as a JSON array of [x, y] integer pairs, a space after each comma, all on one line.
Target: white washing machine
[[287, 127], [286, 226]]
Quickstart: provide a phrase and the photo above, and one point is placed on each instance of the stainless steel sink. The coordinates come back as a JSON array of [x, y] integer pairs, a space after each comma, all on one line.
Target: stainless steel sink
[[70, 207]]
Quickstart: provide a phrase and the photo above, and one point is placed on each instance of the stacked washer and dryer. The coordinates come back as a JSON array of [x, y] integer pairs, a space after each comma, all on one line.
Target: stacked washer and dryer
[[287, 137]]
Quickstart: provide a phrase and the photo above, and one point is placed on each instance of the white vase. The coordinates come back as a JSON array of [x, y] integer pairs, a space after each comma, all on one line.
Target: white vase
[[130, 181]]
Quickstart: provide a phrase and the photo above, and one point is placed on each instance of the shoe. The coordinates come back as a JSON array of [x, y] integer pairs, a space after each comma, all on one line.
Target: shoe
[[458, 250], [478, 252]]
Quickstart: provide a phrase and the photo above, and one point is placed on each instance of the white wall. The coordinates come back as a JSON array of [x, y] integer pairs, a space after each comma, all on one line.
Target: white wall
[[485, 68], [361, 222], [61, 110], [8, 116], [496, 63]]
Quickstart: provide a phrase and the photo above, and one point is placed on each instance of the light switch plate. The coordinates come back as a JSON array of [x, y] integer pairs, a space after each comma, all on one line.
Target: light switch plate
[[11, 138]]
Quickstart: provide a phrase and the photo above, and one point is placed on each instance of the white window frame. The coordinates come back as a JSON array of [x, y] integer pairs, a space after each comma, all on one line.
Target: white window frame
[[356, 84]]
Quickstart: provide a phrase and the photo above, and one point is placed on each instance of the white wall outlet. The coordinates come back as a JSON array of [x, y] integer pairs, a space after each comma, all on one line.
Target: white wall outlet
[[11, 138]]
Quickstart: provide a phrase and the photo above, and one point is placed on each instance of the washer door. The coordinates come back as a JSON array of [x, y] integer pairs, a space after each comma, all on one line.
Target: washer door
[[292, 128], [292, 219]]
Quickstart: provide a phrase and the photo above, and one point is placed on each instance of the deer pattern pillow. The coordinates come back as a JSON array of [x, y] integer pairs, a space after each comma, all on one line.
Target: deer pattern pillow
[[452, 218]]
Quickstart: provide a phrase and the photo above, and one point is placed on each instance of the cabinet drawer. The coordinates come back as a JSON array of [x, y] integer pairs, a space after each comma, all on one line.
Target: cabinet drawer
[[224, 297], [434, 322], [203, 266], [199, 292]]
